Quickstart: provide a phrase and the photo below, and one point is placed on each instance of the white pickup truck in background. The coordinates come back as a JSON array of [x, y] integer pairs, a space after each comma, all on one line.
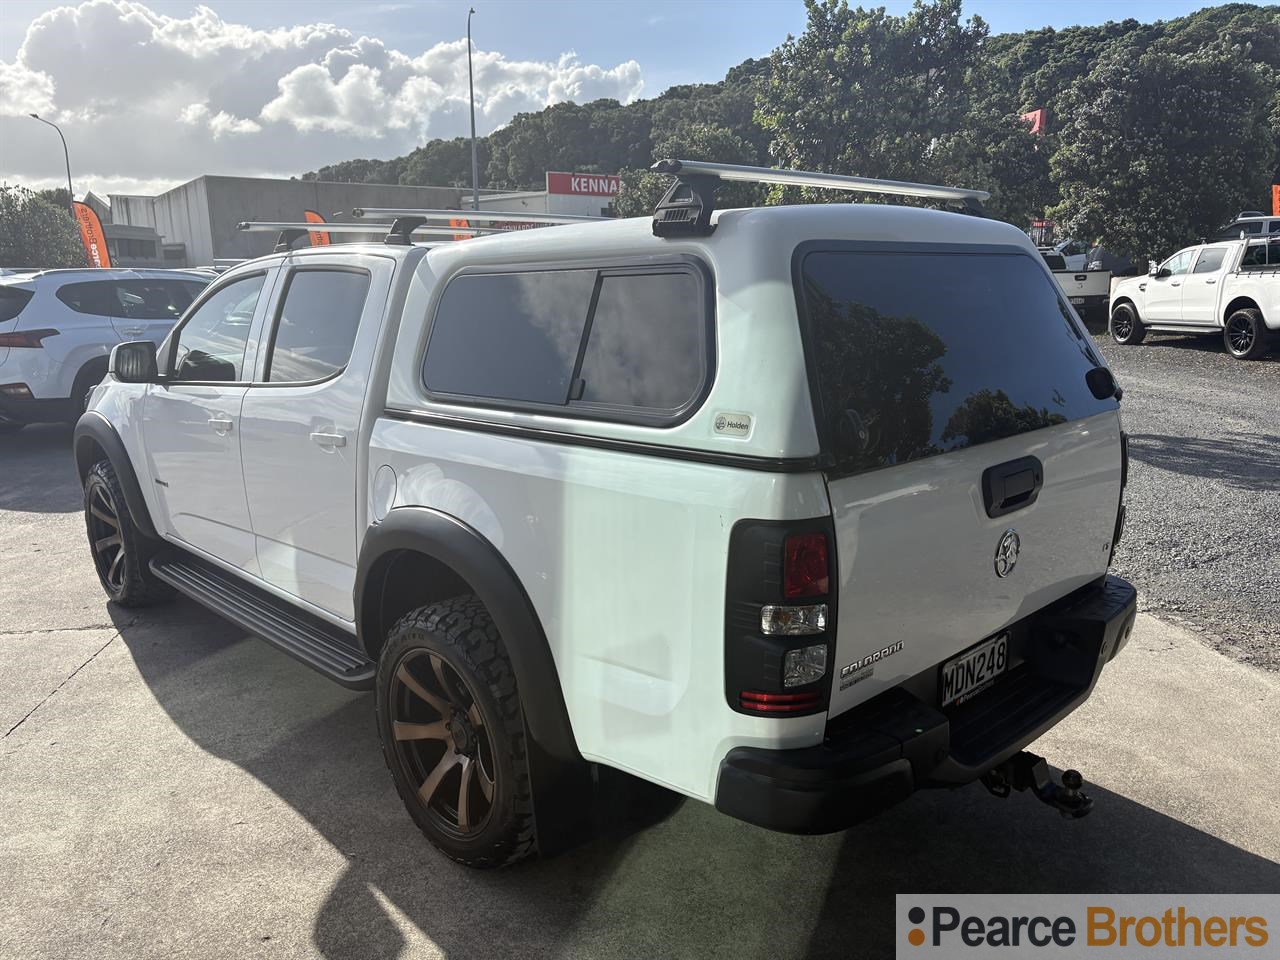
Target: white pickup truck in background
[[1231, 287], [1087, 290]]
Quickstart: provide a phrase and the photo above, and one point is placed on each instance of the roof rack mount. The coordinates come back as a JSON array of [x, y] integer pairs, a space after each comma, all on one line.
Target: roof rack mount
[[686, 208]]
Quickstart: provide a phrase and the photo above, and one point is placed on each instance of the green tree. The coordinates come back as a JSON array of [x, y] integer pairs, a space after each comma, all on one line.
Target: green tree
[[1162, 148], [862, 92], [37, 233], [996, 152]]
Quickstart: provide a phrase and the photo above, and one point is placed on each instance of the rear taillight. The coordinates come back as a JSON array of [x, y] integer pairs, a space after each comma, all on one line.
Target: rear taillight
[[780, 617], [804, 566], [26, 338], [15, 391]]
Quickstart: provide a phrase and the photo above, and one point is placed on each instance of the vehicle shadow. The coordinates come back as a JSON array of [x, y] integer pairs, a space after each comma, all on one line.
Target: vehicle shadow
[[1205, 343], [660, 878], [1243, 460], [39, 471]]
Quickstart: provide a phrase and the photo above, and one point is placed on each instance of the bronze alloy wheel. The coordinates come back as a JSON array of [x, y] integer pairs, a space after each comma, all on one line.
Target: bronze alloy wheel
[[442, 743], [107, 538]]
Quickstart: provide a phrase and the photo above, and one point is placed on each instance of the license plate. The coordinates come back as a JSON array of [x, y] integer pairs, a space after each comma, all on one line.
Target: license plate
[[974, 670], [1077, 300]]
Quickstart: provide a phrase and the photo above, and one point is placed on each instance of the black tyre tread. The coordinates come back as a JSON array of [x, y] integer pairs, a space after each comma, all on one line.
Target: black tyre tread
[[1261, 345], [1139, 332], [142, 588], [465, 626]]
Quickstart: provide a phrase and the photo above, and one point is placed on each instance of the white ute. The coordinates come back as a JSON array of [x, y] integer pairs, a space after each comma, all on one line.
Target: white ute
[[1229, 288], [792, 510]]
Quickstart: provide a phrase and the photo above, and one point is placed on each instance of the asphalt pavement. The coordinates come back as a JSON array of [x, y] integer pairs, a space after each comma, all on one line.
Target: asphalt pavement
[[171, 788]]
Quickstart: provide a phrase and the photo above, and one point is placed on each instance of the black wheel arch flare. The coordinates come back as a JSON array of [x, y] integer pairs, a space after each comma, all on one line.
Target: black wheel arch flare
[[466, 552], [93, 430]]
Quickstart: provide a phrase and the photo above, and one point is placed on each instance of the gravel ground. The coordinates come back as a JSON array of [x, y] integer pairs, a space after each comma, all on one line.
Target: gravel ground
[[1202, 540]]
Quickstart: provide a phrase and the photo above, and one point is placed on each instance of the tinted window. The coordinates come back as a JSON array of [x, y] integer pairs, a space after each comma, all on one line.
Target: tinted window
[[906, 369], [12, 300], [511, 336], [154, 299], [97, 297], [645, 346], [1054, 261], [211, 344], [1273, 226], [1210, 260], [317, 324]]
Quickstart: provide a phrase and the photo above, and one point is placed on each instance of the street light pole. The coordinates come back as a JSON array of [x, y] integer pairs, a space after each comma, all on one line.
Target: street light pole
[[71, 197], [471, 89]]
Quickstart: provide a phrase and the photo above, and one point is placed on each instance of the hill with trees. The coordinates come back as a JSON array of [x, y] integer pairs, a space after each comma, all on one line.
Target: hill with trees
[[1155, 133]]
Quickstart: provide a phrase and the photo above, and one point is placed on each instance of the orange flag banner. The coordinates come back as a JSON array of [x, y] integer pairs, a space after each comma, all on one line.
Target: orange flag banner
[[1275, 199], [91, 235], [460, 222], [319, 238]]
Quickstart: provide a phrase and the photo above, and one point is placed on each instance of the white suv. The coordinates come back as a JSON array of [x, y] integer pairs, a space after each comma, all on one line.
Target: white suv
[[57, 328], [791, 510]]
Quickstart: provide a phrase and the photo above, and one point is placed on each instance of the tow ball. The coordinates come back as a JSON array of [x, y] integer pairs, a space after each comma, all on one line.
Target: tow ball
[[1026, 771]]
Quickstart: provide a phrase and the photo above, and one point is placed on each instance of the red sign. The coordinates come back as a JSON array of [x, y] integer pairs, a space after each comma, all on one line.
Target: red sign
[[91, 235], [583, 184], [1036, 119]]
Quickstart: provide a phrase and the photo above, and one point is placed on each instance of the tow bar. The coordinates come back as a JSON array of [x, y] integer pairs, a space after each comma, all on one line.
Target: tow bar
[[1028, 771]]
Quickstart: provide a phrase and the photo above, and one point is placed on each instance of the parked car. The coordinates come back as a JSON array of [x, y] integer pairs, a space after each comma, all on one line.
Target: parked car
[[1073, 253], [1230, 288], [1249, 224], [734, 503], [57, 328], [1087, 290]]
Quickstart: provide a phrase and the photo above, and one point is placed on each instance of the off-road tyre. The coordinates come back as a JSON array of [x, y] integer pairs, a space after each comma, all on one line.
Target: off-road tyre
[[1245, 335], [1125, 327], [460, 635], [123, 565]]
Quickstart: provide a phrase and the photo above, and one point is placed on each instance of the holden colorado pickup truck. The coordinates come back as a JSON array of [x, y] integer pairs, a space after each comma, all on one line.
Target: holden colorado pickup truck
[[1229, 288], [728, 500]]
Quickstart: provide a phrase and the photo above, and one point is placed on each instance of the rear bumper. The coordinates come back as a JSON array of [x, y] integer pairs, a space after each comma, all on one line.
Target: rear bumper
[[36, 411], [879, 753]]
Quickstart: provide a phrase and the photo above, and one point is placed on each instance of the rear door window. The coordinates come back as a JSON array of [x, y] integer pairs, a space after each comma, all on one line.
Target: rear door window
[[154, 299], [95, 297], [1210, 260], [316, 326], [919, 354]]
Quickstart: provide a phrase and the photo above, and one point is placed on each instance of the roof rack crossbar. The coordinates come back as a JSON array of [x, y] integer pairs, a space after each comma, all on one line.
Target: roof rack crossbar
[[482, 216], [290, 233], [689, 212]]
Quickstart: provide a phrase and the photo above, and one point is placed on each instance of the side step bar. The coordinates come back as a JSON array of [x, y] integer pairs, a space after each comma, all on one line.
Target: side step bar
[[309, 639]]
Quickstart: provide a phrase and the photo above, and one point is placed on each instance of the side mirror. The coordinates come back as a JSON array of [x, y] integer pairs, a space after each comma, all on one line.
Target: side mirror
[[1102, 384], [134, 362]]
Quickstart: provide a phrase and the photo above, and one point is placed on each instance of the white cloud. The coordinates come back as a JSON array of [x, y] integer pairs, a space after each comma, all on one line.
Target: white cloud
[[145, 97], [220, 124]]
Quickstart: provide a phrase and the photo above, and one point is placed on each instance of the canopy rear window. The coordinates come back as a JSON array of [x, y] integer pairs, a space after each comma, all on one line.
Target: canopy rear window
[[918, 354]]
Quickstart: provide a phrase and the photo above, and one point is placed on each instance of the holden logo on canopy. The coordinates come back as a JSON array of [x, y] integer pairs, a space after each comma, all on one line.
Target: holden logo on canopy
[[1007, 552]]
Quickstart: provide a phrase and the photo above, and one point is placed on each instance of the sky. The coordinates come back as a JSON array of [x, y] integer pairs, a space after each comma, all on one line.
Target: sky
[[150, 93]]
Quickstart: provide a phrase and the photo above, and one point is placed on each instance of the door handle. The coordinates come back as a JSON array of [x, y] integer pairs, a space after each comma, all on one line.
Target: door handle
[[221, 424], [329, 439], [135, 331], [1011, 486], [1175, 283], [1211, 280]]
